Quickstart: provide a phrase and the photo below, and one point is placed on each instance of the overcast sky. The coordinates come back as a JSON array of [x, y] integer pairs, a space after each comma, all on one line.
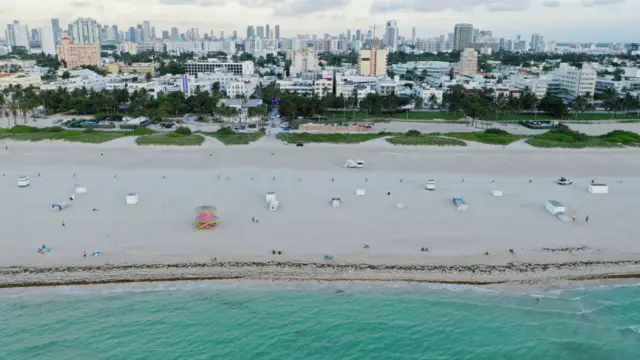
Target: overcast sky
[[560, 20]]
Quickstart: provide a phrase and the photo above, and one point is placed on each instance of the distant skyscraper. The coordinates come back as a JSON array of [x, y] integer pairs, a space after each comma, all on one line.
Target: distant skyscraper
[[266, 31], [358, 34], [146, 30], [413, 36], [57, 32], [116, 32], [221, 34], [18, 35], [48, 40], [468, 61], [165, 35], [175, 34], [35, 36], [537, 43], [86, 31], [348, 34], [153, 33], [235, 34], [131, 34], [391, 35], [260, 32], [277, 32], [250, 32], [462, 36]]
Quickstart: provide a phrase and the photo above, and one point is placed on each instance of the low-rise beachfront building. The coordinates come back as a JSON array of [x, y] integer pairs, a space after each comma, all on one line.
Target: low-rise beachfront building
[[135, 68], [24, 80]]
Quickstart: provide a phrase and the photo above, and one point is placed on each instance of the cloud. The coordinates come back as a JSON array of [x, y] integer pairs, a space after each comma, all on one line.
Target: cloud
[[455, 5], [80, 4], [590, 3], [551, 3], [295, 7], [203, 3]]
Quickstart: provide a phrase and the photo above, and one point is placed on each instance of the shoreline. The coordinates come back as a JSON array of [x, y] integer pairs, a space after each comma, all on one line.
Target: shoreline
[[507, 275]]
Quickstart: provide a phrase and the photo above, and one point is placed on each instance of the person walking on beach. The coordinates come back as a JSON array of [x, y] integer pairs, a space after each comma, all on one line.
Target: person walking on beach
[[574, 217], [84, 253], [63, 224], [586, 219]]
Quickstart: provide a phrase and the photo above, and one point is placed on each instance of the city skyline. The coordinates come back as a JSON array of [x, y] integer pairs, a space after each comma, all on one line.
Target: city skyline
[[561, 20]]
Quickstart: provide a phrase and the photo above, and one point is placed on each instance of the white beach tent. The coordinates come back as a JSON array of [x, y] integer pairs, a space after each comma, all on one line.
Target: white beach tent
[[599, 188], [23, 181], [270, 196], [61, 205], [360, 192], [496, 193], [336, 202], [273, 205], [131, 199]]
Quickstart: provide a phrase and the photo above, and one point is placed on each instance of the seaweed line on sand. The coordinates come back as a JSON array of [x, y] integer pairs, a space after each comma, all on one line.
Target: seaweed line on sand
[[18, 276]]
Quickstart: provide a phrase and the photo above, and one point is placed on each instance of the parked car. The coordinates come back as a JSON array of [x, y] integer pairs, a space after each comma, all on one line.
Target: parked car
[[564, 181], [300, 144]]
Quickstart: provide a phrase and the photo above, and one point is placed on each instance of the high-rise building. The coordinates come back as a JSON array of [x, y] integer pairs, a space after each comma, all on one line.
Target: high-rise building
[[18, 35], [260, 32], [57, 32], [35, 36], [165, 35], [358, 34], [462, 36], [116, 32], [78, 54], [468, 61], [266, 31], [348, 35], [85, 31], [568, 82], [175, 34], [235, 34], [537, 43], [277, 32], [373, 62], [251, 33], [391, 35], [48, 39], [153, 33], [413, 35], [221, 34], [146, 30]]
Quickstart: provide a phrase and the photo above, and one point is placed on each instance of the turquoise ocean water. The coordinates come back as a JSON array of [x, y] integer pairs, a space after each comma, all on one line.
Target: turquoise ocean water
[[328, 321]]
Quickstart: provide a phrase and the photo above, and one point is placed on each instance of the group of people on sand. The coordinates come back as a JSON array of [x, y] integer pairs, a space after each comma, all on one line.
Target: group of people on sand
[[274, 252], [255, 220]]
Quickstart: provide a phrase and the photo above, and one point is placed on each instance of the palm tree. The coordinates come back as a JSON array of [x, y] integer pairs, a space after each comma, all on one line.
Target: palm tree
[[579, 105], [433, 101]]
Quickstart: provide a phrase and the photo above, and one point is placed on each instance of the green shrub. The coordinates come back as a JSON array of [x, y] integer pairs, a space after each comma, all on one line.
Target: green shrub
[[495, 131], [139, 131], [21, 129], [89, 130], [183, 130], [52, 129], [225, 131], [413, 133]]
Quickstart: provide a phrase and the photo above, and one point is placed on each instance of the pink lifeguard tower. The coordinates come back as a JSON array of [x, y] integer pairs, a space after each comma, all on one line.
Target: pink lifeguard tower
[[206, 217]]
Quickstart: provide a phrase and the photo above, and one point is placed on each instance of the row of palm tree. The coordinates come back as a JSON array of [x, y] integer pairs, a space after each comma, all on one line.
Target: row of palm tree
[[15, 100]]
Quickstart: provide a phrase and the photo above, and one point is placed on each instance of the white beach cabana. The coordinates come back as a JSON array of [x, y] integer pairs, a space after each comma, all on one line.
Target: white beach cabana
[[131, 198], [23, 181], [598, 188]]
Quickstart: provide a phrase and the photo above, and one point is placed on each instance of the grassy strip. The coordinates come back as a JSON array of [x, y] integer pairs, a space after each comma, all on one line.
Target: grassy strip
[[90, 136], [445, 115], [328, 138], [171, 139], [489, 136], [621, 137], [230, 137], [563, 137], [413, 137]]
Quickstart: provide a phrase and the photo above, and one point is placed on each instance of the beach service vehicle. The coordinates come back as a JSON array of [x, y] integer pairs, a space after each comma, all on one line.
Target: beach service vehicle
[[353, 164], [564, 181], [430, 184]]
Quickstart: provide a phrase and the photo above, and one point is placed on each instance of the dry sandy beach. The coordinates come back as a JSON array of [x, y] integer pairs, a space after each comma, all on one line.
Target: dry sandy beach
[[156, 239]]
